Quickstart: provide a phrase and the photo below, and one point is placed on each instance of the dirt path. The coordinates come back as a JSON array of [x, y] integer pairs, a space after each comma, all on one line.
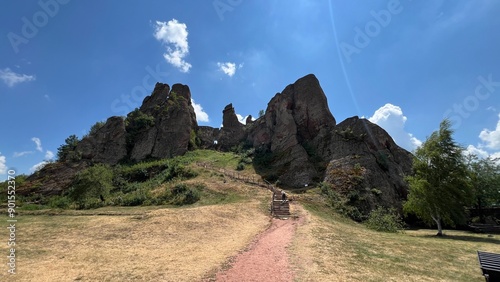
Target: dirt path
[[267, 258]]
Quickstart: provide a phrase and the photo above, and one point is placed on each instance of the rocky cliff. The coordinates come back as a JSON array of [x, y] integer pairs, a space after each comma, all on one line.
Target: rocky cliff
[[296, 142]]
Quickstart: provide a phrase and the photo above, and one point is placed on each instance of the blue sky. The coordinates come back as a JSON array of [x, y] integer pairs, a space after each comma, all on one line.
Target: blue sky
[[66, 64]]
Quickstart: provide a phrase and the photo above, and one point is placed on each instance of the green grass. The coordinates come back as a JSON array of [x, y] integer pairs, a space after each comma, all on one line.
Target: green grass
[[217, 159]]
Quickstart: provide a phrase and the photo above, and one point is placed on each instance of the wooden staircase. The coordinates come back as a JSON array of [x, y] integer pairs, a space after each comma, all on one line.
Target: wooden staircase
[[279, 208]]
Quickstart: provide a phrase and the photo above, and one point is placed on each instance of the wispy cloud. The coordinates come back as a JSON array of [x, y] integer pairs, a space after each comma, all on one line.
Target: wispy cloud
[[3, 164], [200, 114], [38, 143], [20, 154], [228, 68], [173, 35], [11, 78], [392, 119]]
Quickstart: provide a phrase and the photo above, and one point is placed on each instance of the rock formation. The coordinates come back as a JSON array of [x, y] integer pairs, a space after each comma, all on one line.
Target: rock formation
[[294, 121], [232, 131], [358, 144], [297, 141], [173, 131], [108, 144]]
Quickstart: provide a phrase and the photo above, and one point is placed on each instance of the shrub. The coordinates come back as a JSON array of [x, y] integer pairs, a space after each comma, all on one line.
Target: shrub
[[182, 194], [91, 184], [67, 151], [94, 128], [179, 170], [340, 203], [384, 220], [135, 198], [246, 160], [240, 166], [59, 202]]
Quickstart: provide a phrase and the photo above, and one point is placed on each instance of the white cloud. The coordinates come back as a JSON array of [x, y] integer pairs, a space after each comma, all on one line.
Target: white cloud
[[3, 164], [38, 143], [200, 114], [477, 151], [174, 35], [391, 118], [11, 78], [491, 137], [38, 166], [20, 154], [243, 119], [496, 156], [481, 153], [228, 68], [49, 155]]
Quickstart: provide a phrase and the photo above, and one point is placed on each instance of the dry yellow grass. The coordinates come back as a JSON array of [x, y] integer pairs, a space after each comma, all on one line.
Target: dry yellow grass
[[182, 244], [333, 249]]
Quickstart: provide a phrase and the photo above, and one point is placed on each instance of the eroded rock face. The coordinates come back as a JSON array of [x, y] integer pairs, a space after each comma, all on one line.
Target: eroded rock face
[[296, 141], [359, 144], [293, 122], [175, 127], [208, 136], [232, 131], [52, 179], [108, 144]]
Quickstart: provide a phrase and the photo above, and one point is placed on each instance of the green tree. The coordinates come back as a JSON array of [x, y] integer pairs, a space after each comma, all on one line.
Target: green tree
[[261, 113], [440, 187], [94, 128], [485, 178], [92, 183], [67, 151], [135, 123]]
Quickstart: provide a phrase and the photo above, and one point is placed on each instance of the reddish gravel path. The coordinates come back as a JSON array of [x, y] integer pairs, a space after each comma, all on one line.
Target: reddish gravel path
[[267, 258]]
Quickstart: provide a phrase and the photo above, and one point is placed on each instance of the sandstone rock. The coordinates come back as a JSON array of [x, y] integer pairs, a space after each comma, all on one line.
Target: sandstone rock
[[158, 98], [293, 120], [107, 145], [359, 143], [208, 136], [52, 179], [175, 126], [249, 120], [232, 132]]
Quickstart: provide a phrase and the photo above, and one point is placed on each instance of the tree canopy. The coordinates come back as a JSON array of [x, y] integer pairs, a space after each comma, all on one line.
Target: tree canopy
[[485, 179], [67, 151], [440, 186]]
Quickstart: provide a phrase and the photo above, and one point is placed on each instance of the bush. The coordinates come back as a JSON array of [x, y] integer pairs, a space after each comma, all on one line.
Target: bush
[[94, 128], [91, 184], [67, 151], [182, 194], [240, 166], [340, 203], [59, 202], [135, 198], [384, 220]]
